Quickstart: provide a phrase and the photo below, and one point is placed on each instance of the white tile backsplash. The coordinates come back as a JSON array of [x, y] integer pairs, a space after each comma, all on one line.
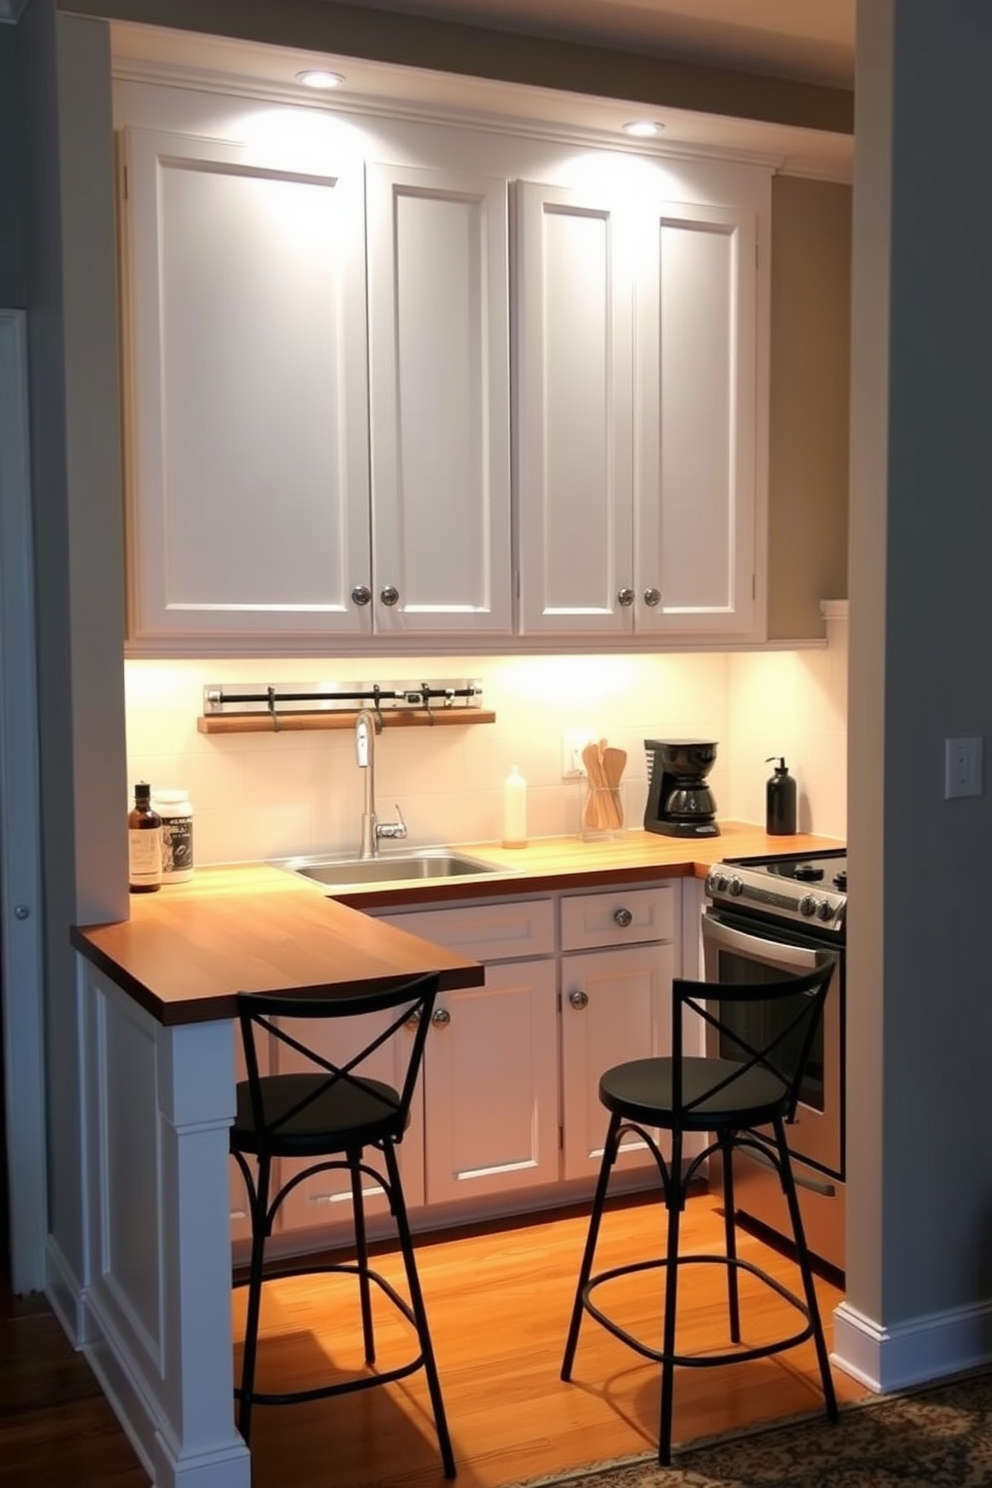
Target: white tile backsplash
[[265, 795]]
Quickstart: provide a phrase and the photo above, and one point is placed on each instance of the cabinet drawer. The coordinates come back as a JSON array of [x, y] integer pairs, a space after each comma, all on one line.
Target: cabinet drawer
[[513, 930], [617, 917]]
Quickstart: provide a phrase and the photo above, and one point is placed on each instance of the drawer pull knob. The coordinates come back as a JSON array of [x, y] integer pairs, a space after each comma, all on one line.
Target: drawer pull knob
[[622, 917], [413, 1020], [441, 1018], [579, 999]]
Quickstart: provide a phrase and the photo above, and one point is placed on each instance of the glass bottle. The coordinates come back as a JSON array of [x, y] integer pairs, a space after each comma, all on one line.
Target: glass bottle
[[144, 843]]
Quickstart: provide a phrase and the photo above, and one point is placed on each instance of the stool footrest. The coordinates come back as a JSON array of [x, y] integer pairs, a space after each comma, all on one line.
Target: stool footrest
[[738, 1355]]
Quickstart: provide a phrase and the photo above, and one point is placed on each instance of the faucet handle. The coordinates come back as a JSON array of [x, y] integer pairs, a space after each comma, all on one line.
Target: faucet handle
[[392, 830]]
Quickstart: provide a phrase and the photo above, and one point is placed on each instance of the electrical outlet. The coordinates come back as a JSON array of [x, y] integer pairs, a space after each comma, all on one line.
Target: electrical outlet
[[962, 767], [572, 745]]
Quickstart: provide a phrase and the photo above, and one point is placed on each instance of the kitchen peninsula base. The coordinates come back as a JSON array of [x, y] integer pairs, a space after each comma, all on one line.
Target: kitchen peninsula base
[[156, 998]]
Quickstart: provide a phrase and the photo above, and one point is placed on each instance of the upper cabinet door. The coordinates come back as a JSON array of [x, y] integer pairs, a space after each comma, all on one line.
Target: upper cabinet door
[[639, 403], [696, 421], [247, 417], [439, 398], [574, 413]]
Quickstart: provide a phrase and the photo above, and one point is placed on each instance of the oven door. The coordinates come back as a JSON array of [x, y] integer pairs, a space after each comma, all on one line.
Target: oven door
[[738, 949]]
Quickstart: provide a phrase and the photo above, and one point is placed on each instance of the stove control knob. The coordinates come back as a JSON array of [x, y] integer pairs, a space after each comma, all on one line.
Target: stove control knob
[[735, 886], [716, 882], [809, 906], [825, 910]]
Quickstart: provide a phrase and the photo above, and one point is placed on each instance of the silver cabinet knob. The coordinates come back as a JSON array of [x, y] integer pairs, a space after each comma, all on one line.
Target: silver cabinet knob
[[389, 595], [652, 597], [622, 917], [414, 1019], [625, 597], [21, 912], [441, 1018], [361, 594], [579, 999]]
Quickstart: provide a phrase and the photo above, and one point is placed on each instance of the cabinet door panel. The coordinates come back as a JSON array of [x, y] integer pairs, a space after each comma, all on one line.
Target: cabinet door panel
[[492, 1089], [573, 411], [439, 386], [248, 471], [696, 395], [627, 1016]]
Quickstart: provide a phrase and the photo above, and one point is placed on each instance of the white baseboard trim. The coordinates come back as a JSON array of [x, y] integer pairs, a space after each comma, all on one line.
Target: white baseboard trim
[[913, 1352]]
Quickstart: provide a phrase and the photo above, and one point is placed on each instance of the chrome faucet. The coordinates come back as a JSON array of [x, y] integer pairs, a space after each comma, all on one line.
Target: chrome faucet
[[367, 725]]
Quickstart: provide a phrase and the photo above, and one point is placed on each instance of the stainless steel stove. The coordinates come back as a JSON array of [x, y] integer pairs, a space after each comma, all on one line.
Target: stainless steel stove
[[775, 916], [809, 889]]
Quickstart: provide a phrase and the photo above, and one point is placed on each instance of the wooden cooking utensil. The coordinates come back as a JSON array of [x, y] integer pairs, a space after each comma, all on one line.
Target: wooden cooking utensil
[[614, 763]]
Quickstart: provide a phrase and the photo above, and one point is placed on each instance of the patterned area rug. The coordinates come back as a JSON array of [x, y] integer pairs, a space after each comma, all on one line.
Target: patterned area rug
[[937, 1437]]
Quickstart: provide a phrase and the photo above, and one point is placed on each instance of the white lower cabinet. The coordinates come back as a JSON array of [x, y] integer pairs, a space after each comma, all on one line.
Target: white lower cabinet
[[490, 1088], [615, 1005], [508, 1099], [490, 1081]]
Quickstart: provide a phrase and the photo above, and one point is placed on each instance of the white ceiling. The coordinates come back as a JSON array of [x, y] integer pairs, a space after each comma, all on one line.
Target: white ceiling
[[809, 40]]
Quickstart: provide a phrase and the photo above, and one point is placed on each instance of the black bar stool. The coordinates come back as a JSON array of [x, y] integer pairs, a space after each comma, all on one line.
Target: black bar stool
[[736, 1100], [332, 1113]]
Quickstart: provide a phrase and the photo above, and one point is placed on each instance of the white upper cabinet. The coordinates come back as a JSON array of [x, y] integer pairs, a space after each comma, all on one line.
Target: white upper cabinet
[[695, 422], [574, 318], [253, 409], [638, 407], [439, 396], [247, 394]]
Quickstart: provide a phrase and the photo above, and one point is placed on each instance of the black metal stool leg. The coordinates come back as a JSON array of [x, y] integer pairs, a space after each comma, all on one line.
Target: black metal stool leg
[[258, 1207], [362, 1254], [592, 1235], [730, 1237], [398, 1204], [674, 1200], [806, 1272]]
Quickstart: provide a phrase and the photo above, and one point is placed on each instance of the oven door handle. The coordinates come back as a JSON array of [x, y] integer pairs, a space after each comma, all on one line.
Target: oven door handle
[[801, 957]]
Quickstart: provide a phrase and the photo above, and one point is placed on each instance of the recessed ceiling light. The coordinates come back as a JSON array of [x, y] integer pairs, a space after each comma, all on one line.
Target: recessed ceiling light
[[319, 77], [643, 128]]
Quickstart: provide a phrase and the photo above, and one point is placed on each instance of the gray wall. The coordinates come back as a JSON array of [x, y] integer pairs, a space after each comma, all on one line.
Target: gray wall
[[920, 637], [11, 153], [75, 460]]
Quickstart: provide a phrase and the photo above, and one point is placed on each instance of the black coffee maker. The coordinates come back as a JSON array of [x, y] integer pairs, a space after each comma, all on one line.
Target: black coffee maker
[[680, 803]]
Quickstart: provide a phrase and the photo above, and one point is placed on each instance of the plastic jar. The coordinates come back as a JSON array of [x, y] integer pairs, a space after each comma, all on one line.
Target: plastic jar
[[173, 806]]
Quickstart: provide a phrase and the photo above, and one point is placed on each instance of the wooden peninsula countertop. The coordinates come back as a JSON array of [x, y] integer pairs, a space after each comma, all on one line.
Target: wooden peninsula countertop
[[186, 951]]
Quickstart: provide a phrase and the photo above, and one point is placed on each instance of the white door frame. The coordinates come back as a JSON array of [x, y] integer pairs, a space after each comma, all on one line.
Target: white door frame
[[20, 884]]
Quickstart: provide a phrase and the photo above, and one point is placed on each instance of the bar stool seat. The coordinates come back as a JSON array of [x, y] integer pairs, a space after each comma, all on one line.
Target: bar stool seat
[[333, 1113], [742, 1101]]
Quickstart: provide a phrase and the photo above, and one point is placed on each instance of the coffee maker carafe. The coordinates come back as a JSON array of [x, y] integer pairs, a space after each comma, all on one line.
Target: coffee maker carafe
[[680, 803]]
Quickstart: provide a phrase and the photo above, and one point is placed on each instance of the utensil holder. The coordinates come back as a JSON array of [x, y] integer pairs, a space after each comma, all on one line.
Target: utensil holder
[[601, 817]]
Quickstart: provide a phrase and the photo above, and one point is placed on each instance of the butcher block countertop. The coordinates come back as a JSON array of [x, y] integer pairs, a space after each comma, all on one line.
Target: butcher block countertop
[[186, 951]]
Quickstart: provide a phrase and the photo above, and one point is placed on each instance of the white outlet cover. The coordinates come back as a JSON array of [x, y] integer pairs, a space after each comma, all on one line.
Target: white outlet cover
[[962, 767]]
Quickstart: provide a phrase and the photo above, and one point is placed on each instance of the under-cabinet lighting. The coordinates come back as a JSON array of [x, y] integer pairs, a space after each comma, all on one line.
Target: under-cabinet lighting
[[319, 77], [643, 128]]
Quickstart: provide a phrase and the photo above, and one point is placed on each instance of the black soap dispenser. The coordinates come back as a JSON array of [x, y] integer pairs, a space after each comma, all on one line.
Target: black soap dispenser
[[780, 801]]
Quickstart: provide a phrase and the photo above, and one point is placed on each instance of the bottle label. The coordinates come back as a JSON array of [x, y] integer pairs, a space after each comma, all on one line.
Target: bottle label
[[177, 845], [145, 855]]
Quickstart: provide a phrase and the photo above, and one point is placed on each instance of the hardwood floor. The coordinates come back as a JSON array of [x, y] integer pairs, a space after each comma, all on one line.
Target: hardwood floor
[[498, 1302]]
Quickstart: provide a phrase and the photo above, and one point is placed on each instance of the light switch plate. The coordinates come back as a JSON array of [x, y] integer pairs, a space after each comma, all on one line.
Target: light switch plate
[[962, 767], [572, 744]]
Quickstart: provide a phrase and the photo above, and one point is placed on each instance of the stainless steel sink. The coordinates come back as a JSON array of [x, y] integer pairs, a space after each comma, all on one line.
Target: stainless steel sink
[[428, 863]]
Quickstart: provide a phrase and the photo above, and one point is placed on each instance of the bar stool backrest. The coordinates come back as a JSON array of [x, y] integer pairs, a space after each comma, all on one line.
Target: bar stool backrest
[[263, 1017], [784, 1054]]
